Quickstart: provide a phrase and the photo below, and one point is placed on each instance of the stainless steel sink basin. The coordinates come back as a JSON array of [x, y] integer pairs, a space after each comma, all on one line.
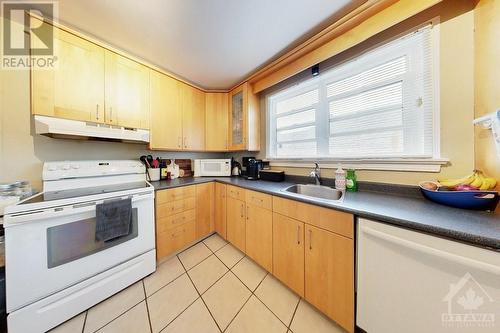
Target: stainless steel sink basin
[[316, 191]]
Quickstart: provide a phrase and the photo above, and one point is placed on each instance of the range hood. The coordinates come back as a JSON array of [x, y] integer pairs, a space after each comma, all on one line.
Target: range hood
[[65, 128]]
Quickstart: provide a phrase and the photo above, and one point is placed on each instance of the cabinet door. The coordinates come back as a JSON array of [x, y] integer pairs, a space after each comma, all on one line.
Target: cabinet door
[[238, 118], [193, 117], [259, 236], [216, 121], [236, 223], [166, 115], [127, 92], [74, 89], [288, 252], [329, 275], [220, 209], [204, 209]]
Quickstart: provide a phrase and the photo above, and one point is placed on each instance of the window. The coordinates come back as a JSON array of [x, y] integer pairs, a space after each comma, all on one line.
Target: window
[[379, 105]]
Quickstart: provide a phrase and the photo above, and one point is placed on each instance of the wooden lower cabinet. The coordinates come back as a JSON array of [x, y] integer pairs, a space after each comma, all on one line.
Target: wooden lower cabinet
[[236, 217], [204, 209], [259, 235], [329, 274], [174, 239], [288, 252], [220, 209], [183, 215]]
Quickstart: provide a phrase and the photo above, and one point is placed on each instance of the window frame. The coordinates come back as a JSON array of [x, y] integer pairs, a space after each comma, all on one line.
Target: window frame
[[407, 163]]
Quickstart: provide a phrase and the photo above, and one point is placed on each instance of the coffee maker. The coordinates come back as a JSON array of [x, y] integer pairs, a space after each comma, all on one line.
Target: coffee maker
[[253, 168]]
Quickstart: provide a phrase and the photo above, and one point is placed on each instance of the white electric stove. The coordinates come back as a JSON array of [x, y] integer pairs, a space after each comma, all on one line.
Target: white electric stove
[[55, 267]]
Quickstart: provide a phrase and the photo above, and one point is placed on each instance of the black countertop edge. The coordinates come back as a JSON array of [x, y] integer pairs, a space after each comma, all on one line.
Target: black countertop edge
[[397, 205]]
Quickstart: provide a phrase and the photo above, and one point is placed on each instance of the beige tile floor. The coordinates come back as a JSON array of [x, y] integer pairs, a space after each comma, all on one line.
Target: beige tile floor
[[210, 287]]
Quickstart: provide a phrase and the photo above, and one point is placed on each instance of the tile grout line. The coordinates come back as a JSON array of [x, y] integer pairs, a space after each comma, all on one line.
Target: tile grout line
[[267, 307], [189, 305], [85, 320], [294, 312], [147, 306], [200, 295], [121, 314], [237, 313]]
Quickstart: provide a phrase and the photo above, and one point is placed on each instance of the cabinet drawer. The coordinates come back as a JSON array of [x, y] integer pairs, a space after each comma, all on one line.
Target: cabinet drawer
[[174, 207], [328, 219], [174, 194], [236, 192], [259, 199], [175, 220], [174, 239]]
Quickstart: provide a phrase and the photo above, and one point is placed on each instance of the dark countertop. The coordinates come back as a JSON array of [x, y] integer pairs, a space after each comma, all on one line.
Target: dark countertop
[[402, 209]]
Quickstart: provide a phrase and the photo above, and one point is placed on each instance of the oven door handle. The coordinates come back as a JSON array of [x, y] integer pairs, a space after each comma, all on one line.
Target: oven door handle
[[59, 212]]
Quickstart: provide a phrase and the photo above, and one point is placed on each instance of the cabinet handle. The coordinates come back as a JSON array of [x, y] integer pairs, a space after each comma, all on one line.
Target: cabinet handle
[[185, 142], [97, 112], [110, 114], [298, 234], [179, 143], [243, 211], [175, 234], [179, 220], [310, 239]]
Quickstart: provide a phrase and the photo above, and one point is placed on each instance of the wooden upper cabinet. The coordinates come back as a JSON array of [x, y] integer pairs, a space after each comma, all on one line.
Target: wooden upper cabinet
[[193, 117], [329, 274], [74, 89], [166, 115], [244, 119], [216, 121], [220, 209], [126, 92]]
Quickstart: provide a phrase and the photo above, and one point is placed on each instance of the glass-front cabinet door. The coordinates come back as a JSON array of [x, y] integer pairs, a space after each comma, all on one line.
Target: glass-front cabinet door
[[237, 118]]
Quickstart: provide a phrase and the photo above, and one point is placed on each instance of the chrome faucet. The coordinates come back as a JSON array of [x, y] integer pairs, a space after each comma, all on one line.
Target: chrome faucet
[[316, 173]]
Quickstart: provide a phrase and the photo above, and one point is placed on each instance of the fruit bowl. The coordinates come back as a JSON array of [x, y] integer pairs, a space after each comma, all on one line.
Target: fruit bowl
[[475, 200]]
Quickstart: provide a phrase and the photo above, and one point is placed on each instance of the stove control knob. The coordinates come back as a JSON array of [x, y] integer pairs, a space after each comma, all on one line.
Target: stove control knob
[[75, 166], [52, 168], [65, 167]]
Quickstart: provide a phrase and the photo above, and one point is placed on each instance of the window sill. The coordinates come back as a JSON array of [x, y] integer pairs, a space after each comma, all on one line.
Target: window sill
[[397, 164]]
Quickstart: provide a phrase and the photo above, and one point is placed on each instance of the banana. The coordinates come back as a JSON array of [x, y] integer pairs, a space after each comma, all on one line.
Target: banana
[[455, 182], [486, 184], [478, 180], [492, 182]]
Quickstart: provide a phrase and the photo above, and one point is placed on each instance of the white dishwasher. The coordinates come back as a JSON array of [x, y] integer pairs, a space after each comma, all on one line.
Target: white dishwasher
[[412, 282]]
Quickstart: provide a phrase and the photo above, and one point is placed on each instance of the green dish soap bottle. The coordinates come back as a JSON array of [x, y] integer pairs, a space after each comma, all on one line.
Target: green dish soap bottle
[[351, 181]]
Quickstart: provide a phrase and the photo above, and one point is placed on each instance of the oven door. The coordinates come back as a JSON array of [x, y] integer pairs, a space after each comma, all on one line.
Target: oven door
[[49, 250], [215, 167]]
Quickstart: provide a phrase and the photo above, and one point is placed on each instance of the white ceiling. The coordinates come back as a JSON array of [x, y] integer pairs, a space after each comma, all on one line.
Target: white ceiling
[[212, 43]]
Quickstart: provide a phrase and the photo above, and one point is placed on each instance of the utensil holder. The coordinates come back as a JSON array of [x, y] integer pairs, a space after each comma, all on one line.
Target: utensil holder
[[154, 174]]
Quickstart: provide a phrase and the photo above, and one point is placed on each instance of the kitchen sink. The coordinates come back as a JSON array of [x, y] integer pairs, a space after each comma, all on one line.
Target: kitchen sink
[[316, 191]]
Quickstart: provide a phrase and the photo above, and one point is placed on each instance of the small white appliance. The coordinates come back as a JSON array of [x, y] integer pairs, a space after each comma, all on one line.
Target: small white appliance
[[212, 168], [66, 128], [412, 282], [55, 267]]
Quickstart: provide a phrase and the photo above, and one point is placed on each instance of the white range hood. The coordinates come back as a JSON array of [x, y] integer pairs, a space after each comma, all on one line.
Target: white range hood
[[57, 127]]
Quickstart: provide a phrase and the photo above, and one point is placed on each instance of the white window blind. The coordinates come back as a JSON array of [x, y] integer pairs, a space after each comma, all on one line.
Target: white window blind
[[378, 105]]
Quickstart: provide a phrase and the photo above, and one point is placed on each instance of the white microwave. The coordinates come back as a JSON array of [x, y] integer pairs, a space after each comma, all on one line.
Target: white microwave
[[212, 168]]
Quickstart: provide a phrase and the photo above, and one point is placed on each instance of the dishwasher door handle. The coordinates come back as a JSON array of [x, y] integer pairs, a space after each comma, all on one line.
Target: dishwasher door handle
[[486, 267]]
